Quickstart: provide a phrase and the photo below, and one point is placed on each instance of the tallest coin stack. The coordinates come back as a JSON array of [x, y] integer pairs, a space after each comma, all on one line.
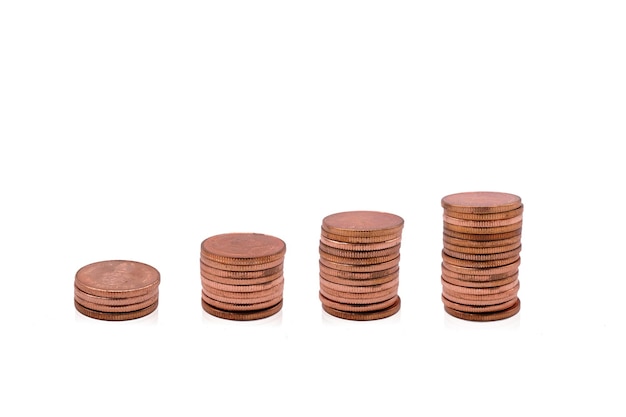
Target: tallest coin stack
[[482, 234]]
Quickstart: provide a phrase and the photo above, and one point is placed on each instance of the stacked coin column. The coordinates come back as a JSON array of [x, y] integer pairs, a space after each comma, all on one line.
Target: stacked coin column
[[481, 255], [359, 264], [242, 275], [116, 290]]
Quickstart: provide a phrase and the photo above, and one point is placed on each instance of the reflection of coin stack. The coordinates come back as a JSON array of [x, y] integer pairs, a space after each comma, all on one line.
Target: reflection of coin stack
[[481, 255], [116, 290], [359, 264], [242, 275]]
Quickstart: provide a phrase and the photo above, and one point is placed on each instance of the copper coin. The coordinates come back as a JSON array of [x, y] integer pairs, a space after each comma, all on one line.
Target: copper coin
[[478, 309], [108, 301], [240, 306], [242, 315], [449, 260], [483, 230], [481, 284], [349, 296], [243, 287], [242, 295], [484, 301], [481, 202], [241, 281], [478, 290], [243, 248], [357, 275], [364, 316], [261, 273], [482, 236], [487, 257], [360, 239], [361, 246], [357, 308], [481, 223], [243, 298], [241, 268], [361, 254], [117, 279], [117, 309], [359, 288], [358, 261], [496, 293], [494, 273], [360, 268], [363, 223], [478, 250], [471, 243], [486, 216], [363, 300], [100, 315], [361, 282], [497, 315]]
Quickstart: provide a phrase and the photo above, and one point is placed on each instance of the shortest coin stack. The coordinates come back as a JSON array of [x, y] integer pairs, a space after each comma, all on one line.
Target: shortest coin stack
[[359, 264], [116, 290], [242, 275], [481, 255]]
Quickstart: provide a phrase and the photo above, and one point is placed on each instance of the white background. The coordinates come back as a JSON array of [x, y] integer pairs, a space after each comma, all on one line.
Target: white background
[[136, 129]]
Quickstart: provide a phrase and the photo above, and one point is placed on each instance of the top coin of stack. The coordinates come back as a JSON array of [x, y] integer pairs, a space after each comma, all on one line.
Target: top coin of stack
[[116, 290], [481, 255], [359, 264], [242, 275]]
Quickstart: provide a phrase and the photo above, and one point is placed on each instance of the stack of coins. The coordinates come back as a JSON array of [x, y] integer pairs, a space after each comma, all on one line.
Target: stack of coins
[[116, 290], [359, 264], [481, 255], [242, 275]]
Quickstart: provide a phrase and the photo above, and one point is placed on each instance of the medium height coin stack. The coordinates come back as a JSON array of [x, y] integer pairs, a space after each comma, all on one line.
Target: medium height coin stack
[[242, 275], [359, 264], [481, 255]]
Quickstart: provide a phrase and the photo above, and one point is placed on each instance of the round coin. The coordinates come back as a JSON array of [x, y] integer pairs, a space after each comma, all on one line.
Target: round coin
[[364, 316], [109, 316], [117, 279], [491, 316], [243, 248], [481, 202], [486, 216], [363, 223], [242, 315]]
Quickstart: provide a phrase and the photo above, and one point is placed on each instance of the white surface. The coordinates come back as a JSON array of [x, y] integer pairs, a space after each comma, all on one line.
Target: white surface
[[134, 130]]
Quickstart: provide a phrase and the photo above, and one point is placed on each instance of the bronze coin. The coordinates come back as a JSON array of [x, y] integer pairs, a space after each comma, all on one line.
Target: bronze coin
[[358, 308], [242, 295], [478, 309], [117, 279], [496, 315], [478, 290], [364, 316], [240, 306], [496, 293], [357, 275], [471, 243], [481, 202], [363, 223], [243, 287], [486, 216], [108, 301], [361, 254], [243, 248], [361, 282], [261, 273], [480, 258], [360, 239], [243, 298], [482, 236], [481, 284], [241, 268], [242, 315], [469, 273], [361, 246], [359, 288], [448, 247], [117, 309], [481, 223], [241, 281], [360, 268], [449, 260], [358, 261], [483, 230], [108, 316]]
